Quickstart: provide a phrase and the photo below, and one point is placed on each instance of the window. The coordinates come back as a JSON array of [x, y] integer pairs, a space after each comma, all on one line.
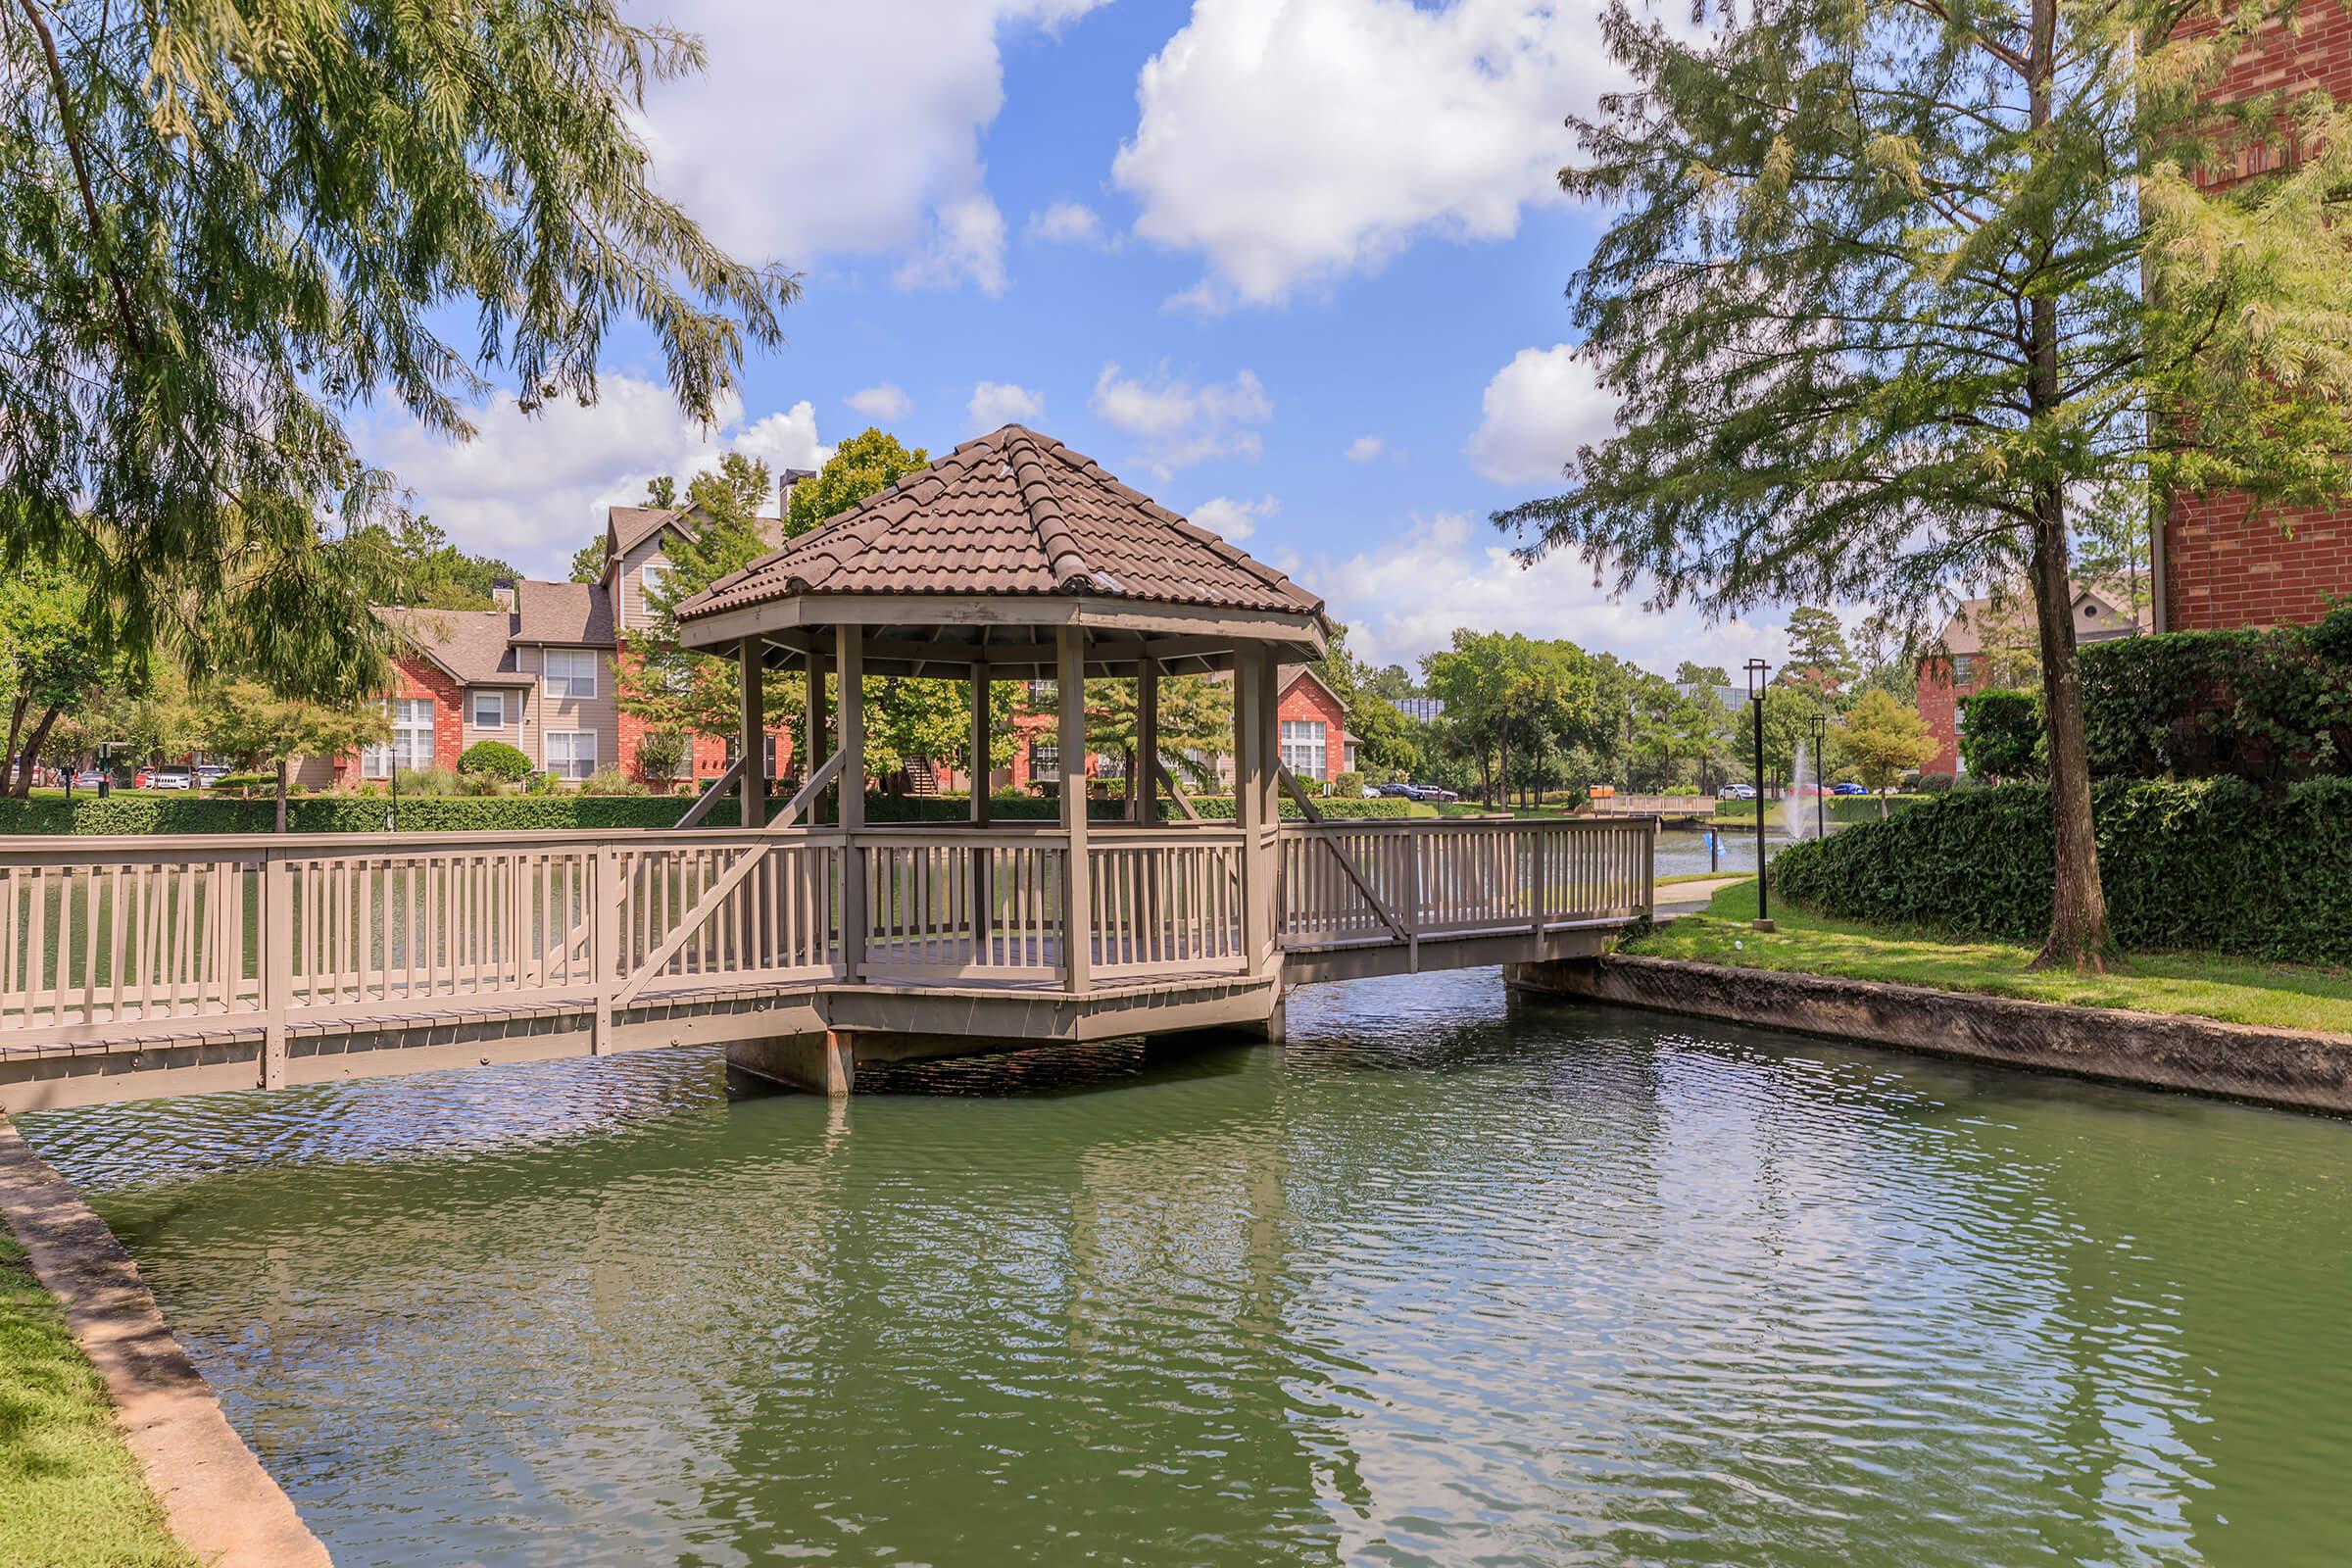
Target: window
[[571, 672], [1041, 694], [1961, 670], [650, 579], [1045, 759], [1113, 765], [489, 709], [412, 744], [571, 753], [1303, 747]]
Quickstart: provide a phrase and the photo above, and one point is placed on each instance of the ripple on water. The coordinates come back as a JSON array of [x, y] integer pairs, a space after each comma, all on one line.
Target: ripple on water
[[1445, 1279]]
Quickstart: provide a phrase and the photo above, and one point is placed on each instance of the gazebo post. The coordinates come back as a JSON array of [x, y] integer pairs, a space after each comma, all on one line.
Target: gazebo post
[[1250, 772], [983, 883], [813, 723], [1143, 783], [1077, 919], [755, 734], [848, 660]]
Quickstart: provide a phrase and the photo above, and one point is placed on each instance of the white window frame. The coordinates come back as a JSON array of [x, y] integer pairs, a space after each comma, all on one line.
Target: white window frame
[[649, 577], [568, 686], [412, 744], [473, 707], [570, 768], [1306, 748], [1045, 760]]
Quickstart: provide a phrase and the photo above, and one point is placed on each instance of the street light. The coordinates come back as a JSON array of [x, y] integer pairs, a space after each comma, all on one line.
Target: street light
[[1757, 670], [1821, 780]]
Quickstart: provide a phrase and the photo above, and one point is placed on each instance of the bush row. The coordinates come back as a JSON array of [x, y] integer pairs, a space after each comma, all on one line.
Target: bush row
[[125, 812], [2212, 864], [2272, 703]]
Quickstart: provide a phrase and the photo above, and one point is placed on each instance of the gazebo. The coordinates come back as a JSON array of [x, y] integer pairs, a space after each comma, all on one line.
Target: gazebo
[[1015, 558]]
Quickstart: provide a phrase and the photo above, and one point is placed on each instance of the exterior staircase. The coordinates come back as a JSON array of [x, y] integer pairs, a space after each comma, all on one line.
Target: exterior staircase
[[921, 778]]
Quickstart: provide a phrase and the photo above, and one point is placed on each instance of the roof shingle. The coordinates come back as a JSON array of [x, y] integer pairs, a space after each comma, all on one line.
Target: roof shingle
[[1011, 512]]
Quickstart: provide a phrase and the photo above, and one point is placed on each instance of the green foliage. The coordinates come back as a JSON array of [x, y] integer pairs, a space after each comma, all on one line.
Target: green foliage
[[428, 572], [588, 561], [1386, 738], [1507, 694], [2212, 864], [2265, 705], [610, 781], [868, 462], [230, 224], [2000, 734], [660, 753], [662, 683], [1817, 647], [495, 760], [1349, 787], [1880, 740], [50, 665]]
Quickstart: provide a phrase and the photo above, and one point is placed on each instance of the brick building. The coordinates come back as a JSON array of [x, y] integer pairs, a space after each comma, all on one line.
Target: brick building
[[1963, 669], [2217, 563], [1312, 724]]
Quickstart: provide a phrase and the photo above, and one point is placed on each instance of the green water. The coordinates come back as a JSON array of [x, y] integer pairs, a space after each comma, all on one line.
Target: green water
[[1443, 1281]]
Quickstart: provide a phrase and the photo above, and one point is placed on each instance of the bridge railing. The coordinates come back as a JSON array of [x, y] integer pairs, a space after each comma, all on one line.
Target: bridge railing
[[105, 939], [1356, 883]]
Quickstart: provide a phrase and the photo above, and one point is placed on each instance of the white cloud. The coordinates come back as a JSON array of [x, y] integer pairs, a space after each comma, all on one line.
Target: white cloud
[[1181, 423], [1294, 142], [999, 402], [816, 130], [888, 401], [1066, 224], [1404, 597], [1538, 409], [1365, 448], [533, 489], [1235, 520]]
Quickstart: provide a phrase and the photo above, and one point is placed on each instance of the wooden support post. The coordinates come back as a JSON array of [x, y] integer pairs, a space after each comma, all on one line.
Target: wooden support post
[[755, 734], [812, 725], [983, 881], [849, 660], [277, 965], [1143, 784], [1077, 918], [604, 945], [1251, 772]]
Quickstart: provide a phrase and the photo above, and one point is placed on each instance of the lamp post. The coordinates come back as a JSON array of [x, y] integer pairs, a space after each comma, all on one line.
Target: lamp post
[[1821, 779], [1756, 671]]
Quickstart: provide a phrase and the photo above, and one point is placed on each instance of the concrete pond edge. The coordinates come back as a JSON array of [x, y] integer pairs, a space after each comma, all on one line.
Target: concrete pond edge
[[2291, 1068], [217, 1498]]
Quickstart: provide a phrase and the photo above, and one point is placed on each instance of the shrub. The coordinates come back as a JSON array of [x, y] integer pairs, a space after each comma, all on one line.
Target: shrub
[[2002, 735], [609, 781], [1349, 786], [661, 752], [422, 781], [2270, 705], [2213, 865], [1934, 783], [495, 760]]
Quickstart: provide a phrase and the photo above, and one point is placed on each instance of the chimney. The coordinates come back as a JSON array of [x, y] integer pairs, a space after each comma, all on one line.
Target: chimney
[[784, 483], [501, 593]]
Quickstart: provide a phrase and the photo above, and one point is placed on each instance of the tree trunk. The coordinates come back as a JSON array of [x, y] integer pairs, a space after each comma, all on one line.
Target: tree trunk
[[281, 796], [21, 785], [2078, 935], [16, 727]]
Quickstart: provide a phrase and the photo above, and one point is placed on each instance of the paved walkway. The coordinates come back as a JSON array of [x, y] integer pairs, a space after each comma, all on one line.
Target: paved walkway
[[1690, 898]]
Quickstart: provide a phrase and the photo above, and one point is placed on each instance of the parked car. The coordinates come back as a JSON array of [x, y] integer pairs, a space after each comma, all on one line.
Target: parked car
[[1850, 787], [1397, 790], [1434, 792], [209, 774], [167, 778], [89, 778], [1737, 792]]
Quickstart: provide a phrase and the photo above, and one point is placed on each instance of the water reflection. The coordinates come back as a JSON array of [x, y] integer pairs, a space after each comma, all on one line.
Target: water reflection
[[1445, 1280]]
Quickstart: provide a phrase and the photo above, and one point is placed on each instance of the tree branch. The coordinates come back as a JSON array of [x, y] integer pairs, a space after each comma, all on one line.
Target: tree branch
[[71, 124]]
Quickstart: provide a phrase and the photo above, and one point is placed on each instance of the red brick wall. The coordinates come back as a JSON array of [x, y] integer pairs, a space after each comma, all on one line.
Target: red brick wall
[[420, 677], [2222, 566], [1939, 709], [1306, 700]]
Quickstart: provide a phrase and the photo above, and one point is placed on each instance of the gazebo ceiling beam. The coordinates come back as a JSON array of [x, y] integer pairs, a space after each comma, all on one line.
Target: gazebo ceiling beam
[[946, 659], [910, 615]]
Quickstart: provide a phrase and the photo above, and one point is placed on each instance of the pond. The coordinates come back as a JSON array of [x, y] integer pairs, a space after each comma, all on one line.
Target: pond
[[1446, 1279]]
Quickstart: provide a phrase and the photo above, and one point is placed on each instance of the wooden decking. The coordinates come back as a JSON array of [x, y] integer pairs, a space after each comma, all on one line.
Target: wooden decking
[[135, 967]]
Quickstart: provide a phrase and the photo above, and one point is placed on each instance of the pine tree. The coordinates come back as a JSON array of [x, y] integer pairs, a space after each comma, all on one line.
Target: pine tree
[[1889, 285]]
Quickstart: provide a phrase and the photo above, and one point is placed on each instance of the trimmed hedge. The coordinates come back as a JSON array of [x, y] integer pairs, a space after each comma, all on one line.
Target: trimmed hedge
[[128, 812], [2266, 705], [2208, 865]]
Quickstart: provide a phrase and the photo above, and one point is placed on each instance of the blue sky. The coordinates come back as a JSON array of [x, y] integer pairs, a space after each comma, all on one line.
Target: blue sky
[[1294, 266]]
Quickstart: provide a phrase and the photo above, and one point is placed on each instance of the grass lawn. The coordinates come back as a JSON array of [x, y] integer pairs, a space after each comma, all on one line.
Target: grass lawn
[[70, 1495], [2202, 985]]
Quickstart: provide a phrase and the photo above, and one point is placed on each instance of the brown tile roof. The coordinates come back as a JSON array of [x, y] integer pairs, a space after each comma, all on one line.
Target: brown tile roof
[[576, 612], [628, 525], [1013, 512], [474, 646]]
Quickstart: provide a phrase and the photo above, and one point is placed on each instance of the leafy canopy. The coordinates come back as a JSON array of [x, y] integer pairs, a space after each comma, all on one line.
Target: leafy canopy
[[226, 223], [866, 464]]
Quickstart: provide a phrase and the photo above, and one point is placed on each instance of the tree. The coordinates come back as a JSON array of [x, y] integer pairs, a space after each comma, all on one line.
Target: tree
[[588, 561], [1888, 283], [1879, 741], [50, 665], [1196, 724], [1817, 645], [230, 224], [1385, 738], [668, 687], [1504, 691], [244, 720], [868, 462], [423, 569]]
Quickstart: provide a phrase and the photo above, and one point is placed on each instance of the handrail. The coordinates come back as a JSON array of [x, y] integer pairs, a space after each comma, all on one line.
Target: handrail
[[710, 797]]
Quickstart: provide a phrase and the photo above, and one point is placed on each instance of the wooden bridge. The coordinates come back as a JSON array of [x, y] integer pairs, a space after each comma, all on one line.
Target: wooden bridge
[[133, 967], [136, 967]]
